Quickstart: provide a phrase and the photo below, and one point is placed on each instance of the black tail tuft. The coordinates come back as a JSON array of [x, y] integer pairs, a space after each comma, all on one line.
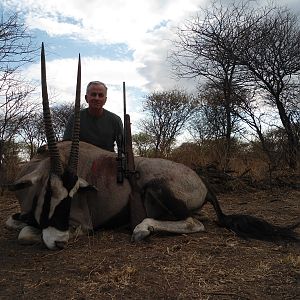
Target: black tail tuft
[[246, 226]]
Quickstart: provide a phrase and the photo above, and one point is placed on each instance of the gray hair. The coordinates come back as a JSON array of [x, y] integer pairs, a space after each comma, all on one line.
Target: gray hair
[[95, 82]]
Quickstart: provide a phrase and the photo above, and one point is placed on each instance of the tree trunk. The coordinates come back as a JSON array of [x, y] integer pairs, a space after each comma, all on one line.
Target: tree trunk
[[228, 101], [293, 141], [1, 161]]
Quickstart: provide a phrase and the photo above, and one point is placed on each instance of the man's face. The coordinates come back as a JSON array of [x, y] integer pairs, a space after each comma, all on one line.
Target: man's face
[[96, 98]]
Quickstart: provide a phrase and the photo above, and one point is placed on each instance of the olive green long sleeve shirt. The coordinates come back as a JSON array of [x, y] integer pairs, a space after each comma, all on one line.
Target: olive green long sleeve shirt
[[101, 131]]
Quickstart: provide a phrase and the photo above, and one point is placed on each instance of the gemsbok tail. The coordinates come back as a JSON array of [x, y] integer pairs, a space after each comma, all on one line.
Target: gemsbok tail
[[246, 226]]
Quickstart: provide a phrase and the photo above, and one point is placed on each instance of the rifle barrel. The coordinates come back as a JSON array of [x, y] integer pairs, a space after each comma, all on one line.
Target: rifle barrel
[[124, 97], [124, 120]]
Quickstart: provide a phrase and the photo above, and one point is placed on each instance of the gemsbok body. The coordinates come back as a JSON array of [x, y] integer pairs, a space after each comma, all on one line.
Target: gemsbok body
[[70, 185]]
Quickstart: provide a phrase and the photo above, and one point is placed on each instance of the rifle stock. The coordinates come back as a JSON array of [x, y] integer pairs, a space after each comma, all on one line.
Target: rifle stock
[[120, 160], [128, 145], [137, 210]]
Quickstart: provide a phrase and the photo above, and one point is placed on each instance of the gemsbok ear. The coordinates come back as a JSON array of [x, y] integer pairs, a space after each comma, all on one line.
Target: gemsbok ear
[[24, 182]]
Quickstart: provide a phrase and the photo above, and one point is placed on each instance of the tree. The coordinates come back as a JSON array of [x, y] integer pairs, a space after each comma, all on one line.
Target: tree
[[15, 110], [144, 144], [240, 46], [210, 120], [201, 51], [61, 114], [270, 52], [10, 161], [16, 49], [32, 133], [258, 121], [167, 113]]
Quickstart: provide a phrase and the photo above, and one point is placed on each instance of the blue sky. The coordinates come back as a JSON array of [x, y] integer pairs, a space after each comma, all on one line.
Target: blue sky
[[119, 40]]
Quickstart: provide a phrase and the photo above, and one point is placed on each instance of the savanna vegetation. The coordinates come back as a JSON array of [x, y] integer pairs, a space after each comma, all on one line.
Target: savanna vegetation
[[242, 121]]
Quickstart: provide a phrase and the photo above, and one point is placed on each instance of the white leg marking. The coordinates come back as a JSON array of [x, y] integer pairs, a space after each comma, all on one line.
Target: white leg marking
[[29, 235], [14, 224], [142, 230], [52, 236]]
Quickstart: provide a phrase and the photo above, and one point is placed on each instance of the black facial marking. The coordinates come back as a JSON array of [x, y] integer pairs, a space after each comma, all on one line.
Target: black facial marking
[[16, 217], [44, 218], [28, 218], [61, 215], [69, 180], [60, 218]]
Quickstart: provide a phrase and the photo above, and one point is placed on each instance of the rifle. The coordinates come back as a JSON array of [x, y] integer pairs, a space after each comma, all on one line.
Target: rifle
[[126, 167]]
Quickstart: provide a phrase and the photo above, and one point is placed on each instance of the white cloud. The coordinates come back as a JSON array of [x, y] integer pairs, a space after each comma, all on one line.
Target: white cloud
[[102, 21], [144, 26]]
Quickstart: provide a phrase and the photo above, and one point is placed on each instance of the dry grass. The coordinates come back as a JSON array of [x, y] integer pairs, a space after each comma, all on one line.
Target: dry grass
[[211, 265]]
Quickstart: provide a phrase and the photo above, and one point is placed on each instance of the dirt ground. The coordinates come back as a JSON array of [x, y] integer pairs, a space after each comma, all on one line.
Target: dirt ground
[[211, 265]]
